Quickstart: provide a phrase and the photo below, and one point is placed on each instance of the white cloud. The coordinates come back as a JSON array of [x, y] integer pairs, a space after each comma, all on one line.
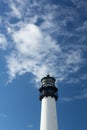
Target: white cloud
[[32, 52], [28, 39], [34, 48], [36, 52], [15, 11], [3, 41], [74, 57]]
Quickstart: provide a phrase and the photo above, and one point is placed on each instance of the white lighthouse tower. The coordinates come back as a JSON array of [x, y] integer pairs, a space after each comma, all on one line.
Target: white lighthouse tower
[[48, 96]]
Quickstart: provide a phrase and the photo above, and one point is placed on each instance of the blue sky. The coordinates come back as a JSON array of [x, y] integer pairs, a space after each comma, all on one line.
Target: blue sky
[[40, 37]]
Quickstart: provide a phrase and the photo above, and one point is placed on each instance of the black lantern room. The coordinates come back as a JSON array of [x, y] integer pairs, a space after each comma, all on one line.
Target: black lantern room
[[48, 88]]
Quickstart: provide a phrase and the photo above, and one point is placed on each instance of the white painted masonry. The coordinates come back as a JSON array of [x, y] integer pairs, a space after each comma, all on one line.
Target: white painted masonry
[[48, 114]]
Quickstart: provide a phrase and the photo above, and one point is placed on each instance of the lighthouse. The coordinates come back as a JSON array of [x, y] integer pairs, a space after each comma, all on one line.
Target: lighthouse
[[48, 97]]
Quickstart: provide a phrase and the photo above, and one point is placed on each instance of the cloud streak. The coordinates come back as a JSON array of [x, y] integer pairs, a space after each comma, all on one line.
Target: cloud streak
[[3, 42], [80, 96], [30, 126]]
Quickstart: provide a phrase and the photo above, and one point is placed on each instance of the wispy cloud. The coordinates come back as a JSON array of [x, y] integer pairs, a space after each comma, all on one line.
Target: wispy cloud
[[2, 115], [77, 80], [31, 50], [15, 10], [3, 42], [80, 96], [80, 4], [30, 126], [31, 58], [44, 40]]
